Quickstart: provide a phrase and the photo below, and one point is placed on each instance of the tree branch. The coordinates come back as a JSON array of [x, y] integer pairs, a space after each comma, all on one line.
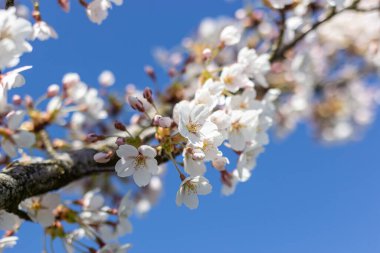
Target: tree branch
[[23, 180]]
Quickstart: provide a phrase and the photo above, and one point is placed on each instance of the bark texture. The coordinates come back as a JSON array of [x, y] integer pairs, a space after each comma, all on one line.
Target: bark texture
[[23, 180]]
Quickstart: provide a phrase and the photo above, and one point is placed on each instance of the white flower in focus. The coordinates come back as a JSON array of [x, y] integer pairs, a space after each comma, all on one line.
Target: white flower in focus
[[243, 128], [244, 101], [222, 120], [15, 137], [14, 31], [230, 35], [192, 120], [189, 190], [8, 221], [40, 209], [254, 66], [234, 78], [8, 242], [140, 163], [43, 31], [106, 78]]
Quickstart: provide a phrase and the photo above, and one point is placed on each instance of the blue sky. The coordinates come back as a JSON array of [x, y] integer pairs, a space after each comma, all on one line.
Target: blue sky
[[303, 198]]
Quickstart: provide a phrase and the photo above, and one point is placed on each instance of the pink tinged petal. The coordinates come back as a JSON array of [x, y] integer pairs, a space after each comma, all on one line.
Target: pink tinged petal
[[147, 151], [151, 165], [125, 168], [9, 148], [142, 177], [24, 139], [14, 119], [191, 200], [125, 151]]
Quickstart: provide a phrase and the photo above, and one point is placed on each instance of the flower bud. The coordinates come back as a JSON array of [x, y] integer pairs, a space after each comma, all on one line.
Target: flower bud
[[16, 99], [92, 137], [198, 154], [52, 90], [164, 122], [220, 162], [150, 72], [136, 104], [102, 157], [148, 95], [106, 78], [207, 53], [28, 101], [120, 141], [119, 126]]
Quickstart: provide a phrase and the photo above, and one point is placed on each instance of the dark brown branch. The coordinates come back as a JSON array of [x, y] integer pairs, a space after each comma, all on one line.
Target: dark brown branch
[[282, 27], [23, 180]]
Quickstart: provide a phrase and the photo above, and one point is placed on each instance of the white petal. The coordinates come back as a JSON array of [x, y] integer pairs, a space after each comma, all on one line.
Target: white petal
[[9, 148], [142, 177], [15, 118], [126, 150], [151, 165], [191, 200], [125, 168], [24, 139], [147, 151]]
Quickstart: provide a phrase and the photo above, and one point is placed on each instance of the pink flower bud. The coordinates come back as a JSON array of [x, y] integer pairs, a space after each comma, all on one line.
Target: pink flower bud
[[150, 72], [120, 141], [106, 78], [17, 100], [52, 90], [148, 95], [207, 53], [197, 154], [92, 137], [136, 104], [165, 122], [220, 162], [28, 101], [102, 157]]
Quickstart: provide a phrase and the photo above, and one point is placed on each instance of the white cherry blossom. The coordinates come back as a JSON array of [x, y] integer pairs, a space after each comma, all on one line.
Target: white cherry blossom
[[140, 163], [234, 78], [243, 128], [42, 31], [40, 208], [189, 190], [230, 35], [14, 32]]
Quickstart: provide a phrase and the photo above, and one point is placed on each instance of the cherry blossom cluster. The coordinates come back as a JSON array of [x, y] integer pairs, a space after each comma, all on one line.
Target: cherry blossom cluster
[[275, 64]]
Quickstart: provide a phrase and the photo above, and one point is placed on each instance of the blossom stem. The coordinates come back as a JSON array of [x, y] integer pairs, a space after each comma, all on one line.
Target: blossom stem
[[176, 166], [280, 39]]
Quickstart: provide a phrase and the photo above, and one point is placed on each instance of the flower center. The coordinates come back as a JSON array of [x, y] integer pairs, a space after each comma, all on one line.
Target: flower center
[[229, 80], [237, 125], [192, 127], [190, 188], [36, 205], [140, 160]]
